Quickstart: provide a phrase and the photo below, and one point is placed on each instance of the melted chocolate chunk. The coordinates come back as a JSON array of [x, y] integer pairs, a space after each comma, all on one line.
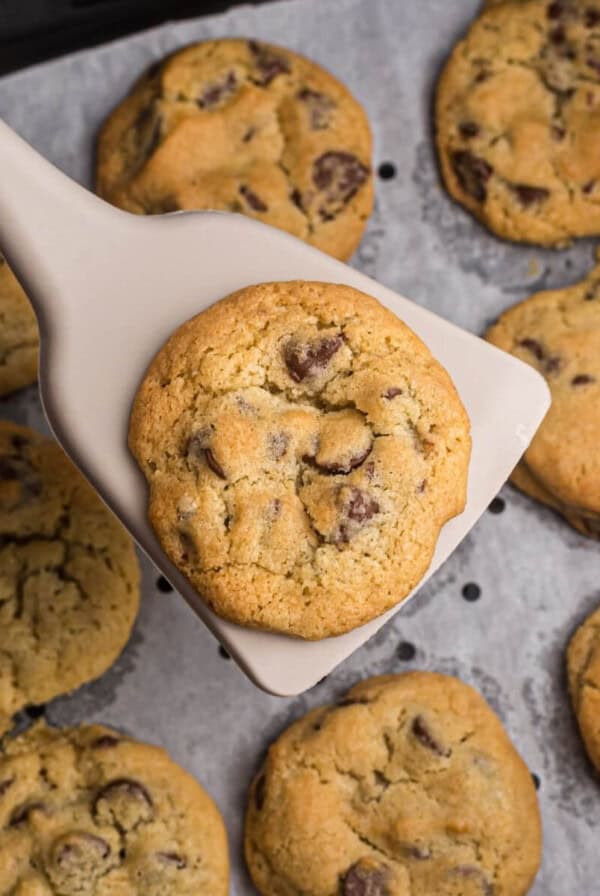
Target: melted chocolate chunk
[[268, 63], [296, 197], [583, 379], [340, 468], [557, 35], [6, 785], [591, 17], [551, 363], [105, 741], [278, 444], [306, 360], [587, 188], [21, 814], [125, 802], [534, 347], [79, 849], [471, 872], [214, 93], [260, 792], [213, 464], [392, 392], [254, 201], [340, 175], [472, 173], [171, 860], [423, 734], [555, 10], [468, 129], [365, 879], [528, 195], [320, 108], [361, 507]]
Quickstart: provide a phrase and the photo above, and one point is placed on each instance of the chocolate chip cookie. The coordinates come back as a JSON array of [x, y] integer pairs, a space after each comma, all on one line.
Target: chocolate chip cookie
[[89, 812], [18, 334], [558, 333], [583, 668], [244, 127], [518, 120], [69, 577], [302, 449], [408, 785]]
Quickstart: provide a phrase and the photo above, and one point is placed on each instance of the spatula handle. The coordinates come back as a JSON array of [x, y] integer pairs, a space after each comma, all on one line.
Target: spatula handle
[[48, 223]]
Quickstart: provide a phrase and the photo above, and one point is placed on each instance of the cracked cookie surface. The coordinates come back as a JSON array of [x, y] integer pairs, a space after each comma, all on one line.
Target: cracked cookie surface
[[245, 127], [303, 449], [18, 335], [69, 577], [518, 120], [583, 669], [89, 812], [408, 785], [558, 333]]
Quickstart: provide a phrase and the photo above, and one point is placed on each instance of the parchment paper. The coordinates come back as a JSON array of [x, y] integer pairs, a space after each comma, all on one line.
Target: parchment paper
[[538, 577]]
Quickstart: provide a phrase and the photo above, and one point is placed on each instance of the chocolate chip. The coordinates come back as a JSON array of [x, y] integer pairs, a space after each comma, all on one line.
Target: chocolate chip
[[105, 742], [534, 347], [392, 392], [213, 464], [340, 175], [558, 132], [214, 93], [341, 467], [306, 360], [361, 507], [260, 792], [278, 444], [528, 195], [320, 107], [423, 734], [555, 10], [472, 173], [254, 201], [296, 197], [587, 188], [21, 814], [125, 802], [365, 878], [161, 206], [468, 129], [6, 785], [19, 442], [171, 860], [269, 64], [557, 35], [248, 135], [591, 18], [79, 849], [473, 873], [583, 379]]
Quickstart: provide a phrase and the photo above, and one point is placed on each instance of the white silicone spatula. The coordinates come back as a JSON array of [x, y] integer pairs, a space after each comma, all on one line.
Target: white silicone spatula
[[109, 288]]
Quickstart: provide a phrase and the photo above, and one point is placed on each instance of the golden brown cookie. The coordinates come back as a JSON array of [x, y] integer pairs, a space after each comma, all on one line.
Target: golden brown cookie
[[69, 577], [303, 449], [245, 127], [558, 333], [583, 668], [18, 334], [408, 785], [89, 812], [518, 120]]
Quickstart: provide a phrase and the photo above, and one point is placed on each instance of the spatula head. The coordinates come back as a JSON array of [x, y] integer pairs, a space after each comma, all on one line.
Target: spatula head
[[119, 305]]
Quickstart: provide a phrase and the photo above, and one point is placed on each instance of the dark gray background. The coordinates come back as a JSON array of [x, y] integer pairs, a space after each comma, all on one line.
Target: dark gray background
[[538, 577]]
